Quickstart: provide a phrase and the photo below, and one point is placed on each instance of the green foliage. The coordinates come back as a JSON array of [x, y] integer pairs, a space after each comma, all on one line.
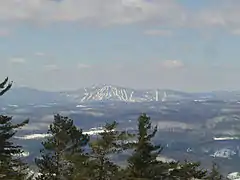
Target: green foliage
[[11, 166], [187, 170], [214, 173], [64, 142], [110, 142], [143, 162], [190, 170]]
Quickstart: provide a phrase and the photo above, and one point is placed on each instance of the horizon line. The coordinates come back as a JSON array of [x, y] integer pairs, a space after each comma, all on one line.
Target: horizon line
[[121, 86]]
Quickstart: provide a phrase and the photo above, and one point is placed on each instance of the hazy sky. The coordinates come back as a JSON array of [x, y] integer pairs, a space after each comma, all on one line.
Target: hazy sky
[[191, 45]]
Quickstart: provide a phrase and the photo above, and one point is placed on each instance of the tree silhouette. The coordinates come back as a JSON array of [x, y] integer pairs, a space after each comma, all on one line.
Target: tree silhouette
[[11, 165], [4, 87]]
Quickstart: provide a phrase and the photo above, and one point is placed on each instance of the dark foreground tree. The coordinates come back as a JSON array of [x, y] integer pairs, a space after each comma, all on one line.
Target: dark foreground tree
[[64, 142], [5, 86], [143, 163], [192, 170], [110, 142], [187, 171], [214, 174], [11, 165]]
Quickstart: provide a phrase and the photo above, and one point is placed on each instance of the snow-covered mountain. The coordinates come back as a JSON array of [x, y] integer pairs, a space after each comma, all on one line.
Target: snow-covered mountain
[[224, 153], [105, 92], [117, 93]]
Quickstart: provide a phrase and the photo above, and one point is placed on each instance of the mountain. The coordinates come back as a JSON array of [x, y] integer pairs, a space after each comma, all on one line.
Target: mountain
[[99, 93], [26, 96], [117, 93]]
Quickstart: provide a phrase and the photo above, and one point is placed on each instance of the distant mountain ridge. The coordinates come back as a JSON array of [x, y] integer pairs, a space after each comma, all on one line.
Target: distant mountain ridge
[[106, 92], [118, 93]]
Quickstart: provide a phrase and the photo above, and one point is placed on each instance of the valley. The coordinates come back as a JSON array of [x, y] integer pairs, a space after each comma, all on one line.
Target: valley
[[190, 126]]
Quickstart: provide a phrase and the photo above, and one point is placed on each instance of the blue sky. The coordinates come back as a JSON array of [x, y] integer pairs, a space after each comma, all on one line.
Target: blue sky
[[190, 45]]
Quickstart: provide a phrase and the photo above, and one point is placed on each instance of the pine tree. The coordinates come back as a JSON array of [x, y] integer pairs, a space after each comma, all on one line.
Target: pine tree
[[4, 86], [143, 163], [187, 171], [11, 166], [214, 173], [65, 141], [110, 142]]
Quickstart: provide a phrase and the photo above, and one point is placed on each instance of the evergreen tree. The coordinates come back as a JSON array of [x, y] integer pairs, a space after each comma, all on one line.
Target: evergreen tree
[[192, 170], [4, 87], [187, 171], [110, 142], [214, 173], [64, 142], [11, 166], [143, 163]]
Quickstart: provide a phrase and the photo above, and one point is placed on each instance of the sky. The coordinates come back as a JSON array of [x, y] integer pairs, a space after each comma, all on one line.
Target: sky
[[188, 45]]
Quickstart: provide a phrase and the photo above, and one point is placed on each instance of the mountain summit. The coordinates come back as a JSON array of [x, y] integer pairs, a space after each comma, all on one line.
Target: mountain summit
[[117, 93], [106, 92]]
